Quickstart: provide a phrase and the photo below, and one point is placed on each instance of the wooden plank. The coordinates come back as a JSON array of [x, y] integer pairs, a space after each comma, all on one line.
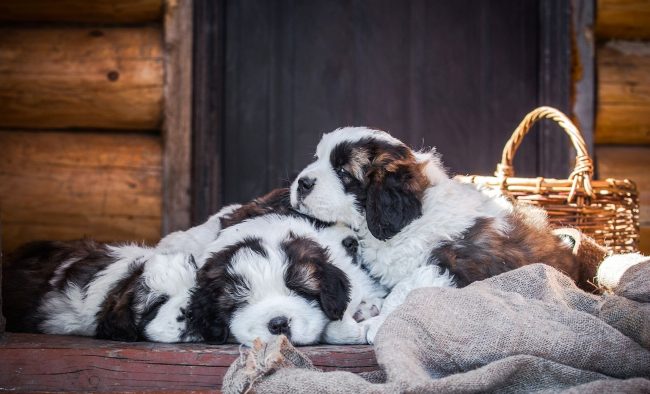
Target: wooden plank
[[644, 244], [628, 162], [2, 318], [177, 126], [584, 69], [96, 11], [626, 19], [104, 78], [31, 362], [62, 185], [207, 107], [623, 93]]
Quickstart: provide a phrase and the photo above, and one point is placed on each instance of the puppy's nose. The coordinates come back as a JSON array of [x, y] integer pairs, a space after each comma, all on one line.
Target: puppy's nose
[[279, 325], [351, 245], [305, 185]]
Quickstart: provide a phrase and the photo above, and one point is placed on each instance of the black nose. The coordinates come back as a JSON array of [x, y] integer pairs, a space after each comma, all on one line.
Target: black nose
[[351, 245], [279, 325], [305, 184]]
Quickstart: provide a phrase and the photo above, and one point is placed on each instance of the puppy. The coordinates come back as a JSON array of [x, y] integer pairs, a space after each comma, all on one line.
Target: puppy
[[92, 289], [279, 274], [417, 226]]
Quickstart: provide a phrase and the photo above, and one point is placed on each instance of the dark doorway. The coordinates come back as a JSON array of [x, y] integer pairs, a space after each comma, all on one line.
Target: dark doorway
[[274, 75]]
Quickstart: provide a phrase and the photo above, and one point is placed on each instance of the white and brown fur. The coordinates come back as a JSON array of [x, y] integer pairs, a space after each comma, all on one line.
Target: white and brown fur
[[414, 220], [161, 294]]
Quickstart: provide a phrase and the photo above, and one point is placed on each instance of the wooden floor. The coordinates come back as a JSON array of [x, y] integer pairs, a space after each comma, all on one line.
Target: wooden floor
[[47, 363]]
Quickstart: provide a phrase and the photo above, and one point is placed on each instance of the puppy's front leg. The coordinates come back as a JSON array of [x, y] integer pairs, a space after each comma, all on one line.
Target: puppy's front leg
[[345, 332]]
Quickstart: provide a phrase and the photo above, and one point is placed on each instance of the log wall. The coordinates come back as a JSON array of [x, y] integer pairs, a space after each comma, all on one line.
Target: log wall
[[81, 111], [97, 78], [623, 97]]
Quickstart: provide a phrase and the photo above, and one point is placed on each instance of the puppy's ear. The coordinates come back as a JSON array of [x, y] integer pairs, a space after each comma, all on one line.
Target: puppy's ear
[[335, 291], [205, 313], [311, 273], [116, 319], [395, 188], [203, 317]]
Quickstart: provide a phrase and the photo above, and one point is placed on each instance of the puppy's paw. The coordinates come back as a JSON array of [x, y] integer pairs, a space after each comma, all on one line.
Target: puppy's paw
[[345, 332], [367, 309], [372, 325]]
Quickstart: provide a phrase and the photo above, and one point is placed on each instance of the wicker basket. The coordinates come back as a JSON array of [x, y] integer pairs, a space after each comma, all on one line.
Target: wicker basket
[[606, 210]]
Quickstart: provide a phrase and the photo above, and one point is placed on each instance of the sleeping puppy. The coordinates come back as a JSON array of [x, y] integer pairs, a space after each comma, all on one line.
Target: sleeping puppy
[[93, 289], [279, 274], [417, 226]]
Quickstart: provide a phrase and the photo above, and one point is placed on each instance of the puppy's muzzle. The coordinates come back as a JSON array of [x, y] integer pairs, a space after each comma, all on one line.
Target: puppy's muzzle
[[305, 186]]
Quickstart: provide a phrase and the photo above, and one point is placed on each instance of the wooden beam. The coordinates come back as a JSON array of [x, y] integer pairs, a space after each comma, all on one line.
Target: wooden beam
[[177, 126], [96, 11], [583, 68], [31, 362], [56, 185], [623, 93], [644, 244], [628, 162], [623, 19], [100, 78], [2, 318], [554, 85], [208, 108]]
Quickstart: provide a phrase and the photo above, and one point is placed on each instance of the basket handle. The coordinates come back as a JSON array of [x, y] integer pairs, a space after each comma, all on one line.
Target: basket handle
[[584, 167]]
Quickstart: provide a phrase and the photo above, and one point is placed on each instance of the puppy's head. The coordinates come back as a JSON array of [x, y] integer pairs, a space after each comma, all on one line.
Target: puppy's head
[[361, 174], [257, 288]]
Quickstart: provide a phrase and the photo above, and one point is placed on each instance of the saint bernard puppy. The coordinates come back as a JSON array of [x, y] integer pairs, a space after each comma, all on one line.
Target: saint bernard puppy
[[417, 226], [262, 270]]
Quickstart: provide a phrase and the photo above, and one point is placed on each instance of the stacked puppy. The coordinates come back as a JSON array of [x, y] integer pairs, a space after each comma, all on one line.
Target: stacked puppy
[[369, 215]]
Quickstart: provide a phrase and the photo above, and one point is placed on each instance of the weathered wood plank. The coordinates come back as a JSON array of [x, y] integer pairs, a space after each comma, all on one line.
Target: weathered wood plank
[[631, 163], [644, 244], [627, 19], [104, 78], [96, 11], [2, 318], [623, 115], [55, 363], [177, 125], [57, 185]]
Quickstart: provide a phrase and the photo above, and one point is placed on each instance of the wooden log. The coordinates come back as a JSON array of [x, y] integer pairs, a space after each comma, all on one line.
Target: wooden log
[[177, 124], [104, 78], [626, 19], [623, 93], [631, 163], [95, 11], [30, 362], [56, 185]]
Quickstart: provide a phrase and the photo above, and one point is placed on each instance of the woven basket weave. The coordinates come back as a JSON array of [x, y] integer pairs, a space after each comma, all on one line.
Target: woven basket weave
[[607, 210]]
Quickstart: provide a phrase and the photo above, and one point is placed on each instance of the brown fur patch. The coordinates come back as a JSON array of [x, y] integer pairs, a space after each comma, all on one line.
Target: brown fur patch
[[276, 201], [29, 270], [483, 251], [393, 161], [116, 318]]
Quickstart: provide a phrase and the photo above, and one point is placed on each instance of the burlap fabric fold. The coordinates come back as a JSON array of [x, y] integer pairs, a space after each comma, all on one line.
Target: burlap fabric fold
[[529, 330]]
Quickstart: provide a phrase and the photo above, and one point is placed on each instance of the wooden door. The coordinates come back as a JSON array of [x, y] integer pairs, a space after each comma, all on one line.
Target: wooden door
[[455, 75]]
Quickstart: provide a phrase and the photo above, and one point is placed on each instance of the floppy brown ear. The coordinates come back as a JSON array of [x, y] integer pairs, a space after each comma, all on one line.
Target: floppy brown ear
[[393, 197], [311, 273]]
